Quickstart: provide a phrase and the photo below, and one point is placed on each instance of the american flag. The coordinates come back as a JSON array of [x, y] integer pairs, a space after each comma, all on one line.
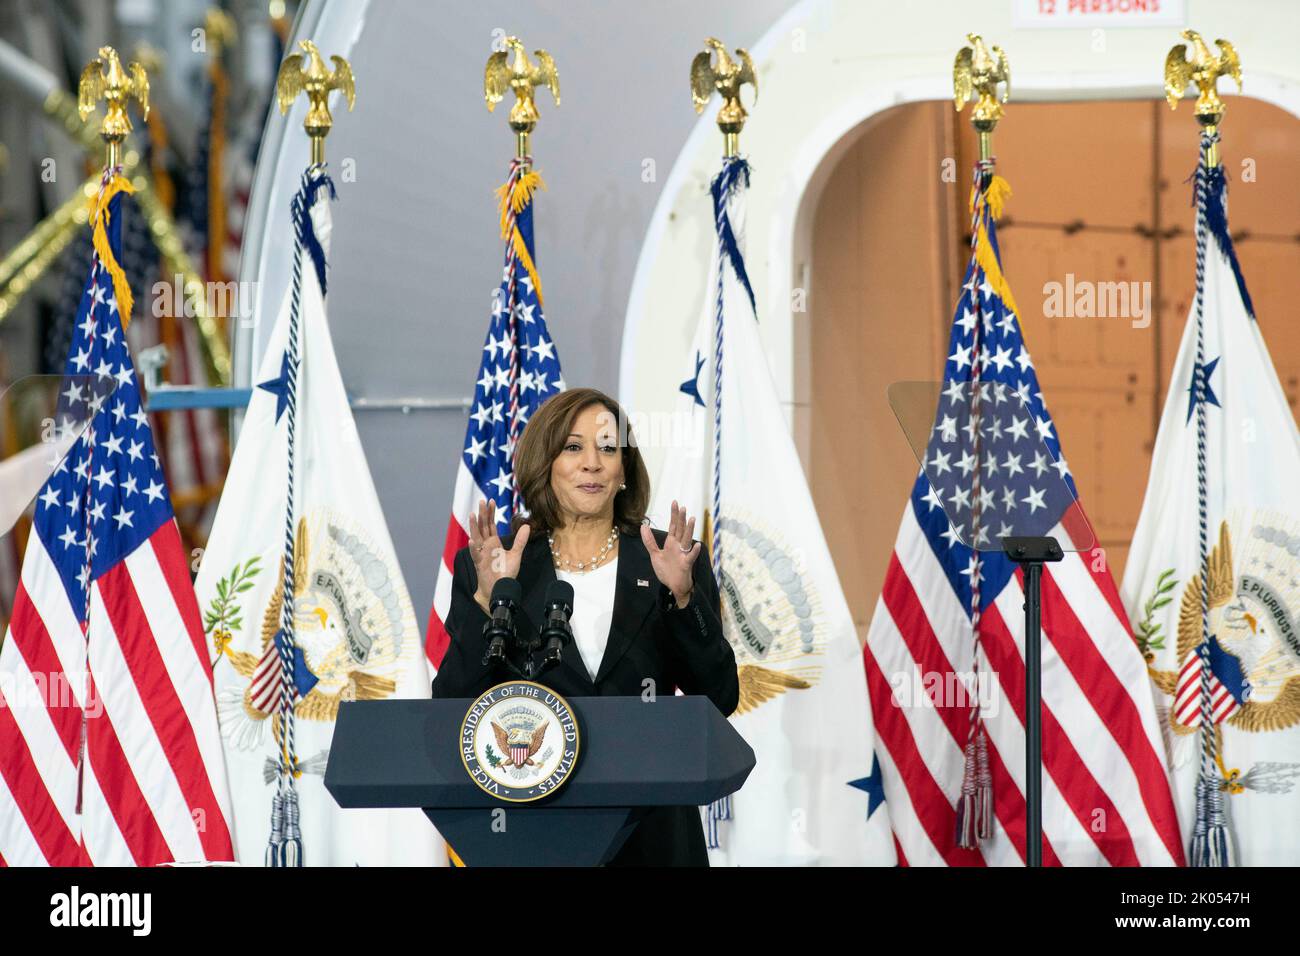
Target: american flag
[[520, 370], [109, 748], [1106, 794]]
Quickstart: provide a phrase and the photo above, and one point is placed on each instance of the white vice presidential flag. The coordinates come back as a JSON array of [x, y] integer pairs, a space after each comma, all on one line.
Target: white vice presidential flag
[[815, 796], [354, 627], [1252, 460]]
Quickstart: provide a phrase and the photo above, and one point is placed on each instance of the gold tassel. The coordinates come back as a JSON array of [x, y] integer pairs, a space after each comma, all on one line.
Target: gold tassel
[[994, 198], [521, 253], [992, 271], [515, 200], [99, 236], [996, 195]]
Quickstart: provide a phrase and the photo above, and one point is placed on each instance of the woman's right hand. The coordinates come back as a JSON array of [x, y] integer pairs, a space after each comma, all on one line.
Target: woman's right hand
[[492, 561]]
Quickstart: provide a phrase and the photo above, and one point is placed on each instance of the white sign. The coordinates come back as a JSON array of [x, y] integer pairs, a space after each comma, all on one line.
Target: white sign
[[1038, 14]]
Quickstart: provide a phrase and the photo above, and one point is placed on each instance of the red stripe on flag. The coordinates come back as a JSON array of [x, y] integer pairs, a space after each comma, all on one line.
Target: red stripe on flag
[[135, 820], [1223, 704], [153, 683], [437, 640], [1106, 585], [46, 824], [29, 635], [1078, 529], [457, 538], [1077, 786], [1009, 806], [263, 691], [1115, 708], [914, 626], [264, 687], [928, 801], [898, 850], [171, 557]]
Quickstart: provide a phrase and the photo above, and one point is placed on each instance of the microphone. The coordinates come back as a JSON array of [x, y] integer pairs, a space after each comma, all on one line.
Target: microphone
[[507, 595], [556, 631]]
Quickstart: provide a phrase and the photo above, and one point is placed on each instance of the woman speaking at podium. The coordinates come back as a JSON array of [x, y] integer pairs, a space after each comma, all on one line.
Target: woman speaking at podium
[[646, 612]]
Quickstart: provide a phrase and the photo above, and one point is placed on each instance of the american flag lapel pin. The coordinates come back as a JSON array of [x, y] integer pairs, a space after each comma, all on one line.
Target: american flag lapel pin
[[642, 583]]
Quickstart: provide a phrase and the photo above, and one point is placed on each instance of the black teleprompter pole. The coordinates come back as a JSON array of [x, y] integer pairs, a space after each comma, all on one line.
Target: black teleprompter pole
[[1031, 554]]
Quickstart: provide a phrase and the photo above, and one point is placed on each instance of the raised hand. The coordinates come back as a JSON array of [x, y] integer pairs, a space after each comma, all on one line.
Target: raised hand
[[673, 562], [492, 561]]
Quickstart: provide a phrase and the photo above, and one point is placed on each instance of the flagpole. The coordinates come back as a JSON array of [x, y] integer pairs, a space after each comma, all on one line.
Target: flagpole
[[104, 78], [977, 73], [521, 77], [1212, 843], [307, 74], [715, 70]]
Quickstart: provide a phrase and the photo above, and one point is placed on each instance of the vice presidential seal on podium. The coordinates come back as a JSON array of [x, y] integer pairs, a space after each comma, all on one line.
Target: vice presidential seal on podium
[[519, 741]]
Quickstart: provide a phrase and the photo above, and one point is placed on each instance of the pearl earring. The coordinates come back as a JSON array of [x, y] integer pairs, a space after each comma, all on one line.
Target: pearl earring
[[622, 487]]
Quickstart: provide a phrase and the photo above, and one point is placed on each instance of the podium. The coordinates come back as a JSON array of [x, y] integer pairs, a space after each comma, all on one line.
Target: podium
[[635, 755]]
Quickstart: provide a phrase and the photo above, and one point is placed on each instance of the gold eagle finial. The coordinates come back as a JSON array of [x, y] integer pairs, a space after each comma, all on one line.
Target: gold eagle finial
[[726, 76], [1204, 70], [500, 77], [105, 78], [306, 73], [976, 72]]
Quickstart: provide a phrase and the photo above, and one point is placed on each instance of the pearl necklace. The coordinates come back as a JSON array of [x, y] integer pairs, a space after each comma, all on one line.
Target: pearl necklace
[[563, 563]]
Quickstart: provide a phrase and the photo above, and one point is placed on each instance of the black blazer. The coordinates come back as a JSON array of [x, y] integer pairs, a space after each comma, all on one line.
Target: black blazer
[[649, 637]]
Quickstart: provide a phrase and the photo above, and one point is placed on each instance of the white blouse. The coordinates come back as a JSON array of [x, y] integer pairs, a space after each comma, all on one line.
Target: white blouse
[[593, 610]]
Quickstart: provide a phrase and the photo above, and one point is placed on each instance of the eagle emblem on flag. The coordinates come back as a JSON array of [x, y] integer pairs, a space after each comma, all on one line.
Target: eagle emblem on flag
[[1254, 643], [771, 612], [350, 635]]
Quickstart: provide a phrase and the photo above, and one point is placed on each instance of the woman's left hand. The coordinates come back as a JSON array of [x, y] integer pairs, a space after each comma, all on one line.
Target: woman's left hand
[[673, 562]]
